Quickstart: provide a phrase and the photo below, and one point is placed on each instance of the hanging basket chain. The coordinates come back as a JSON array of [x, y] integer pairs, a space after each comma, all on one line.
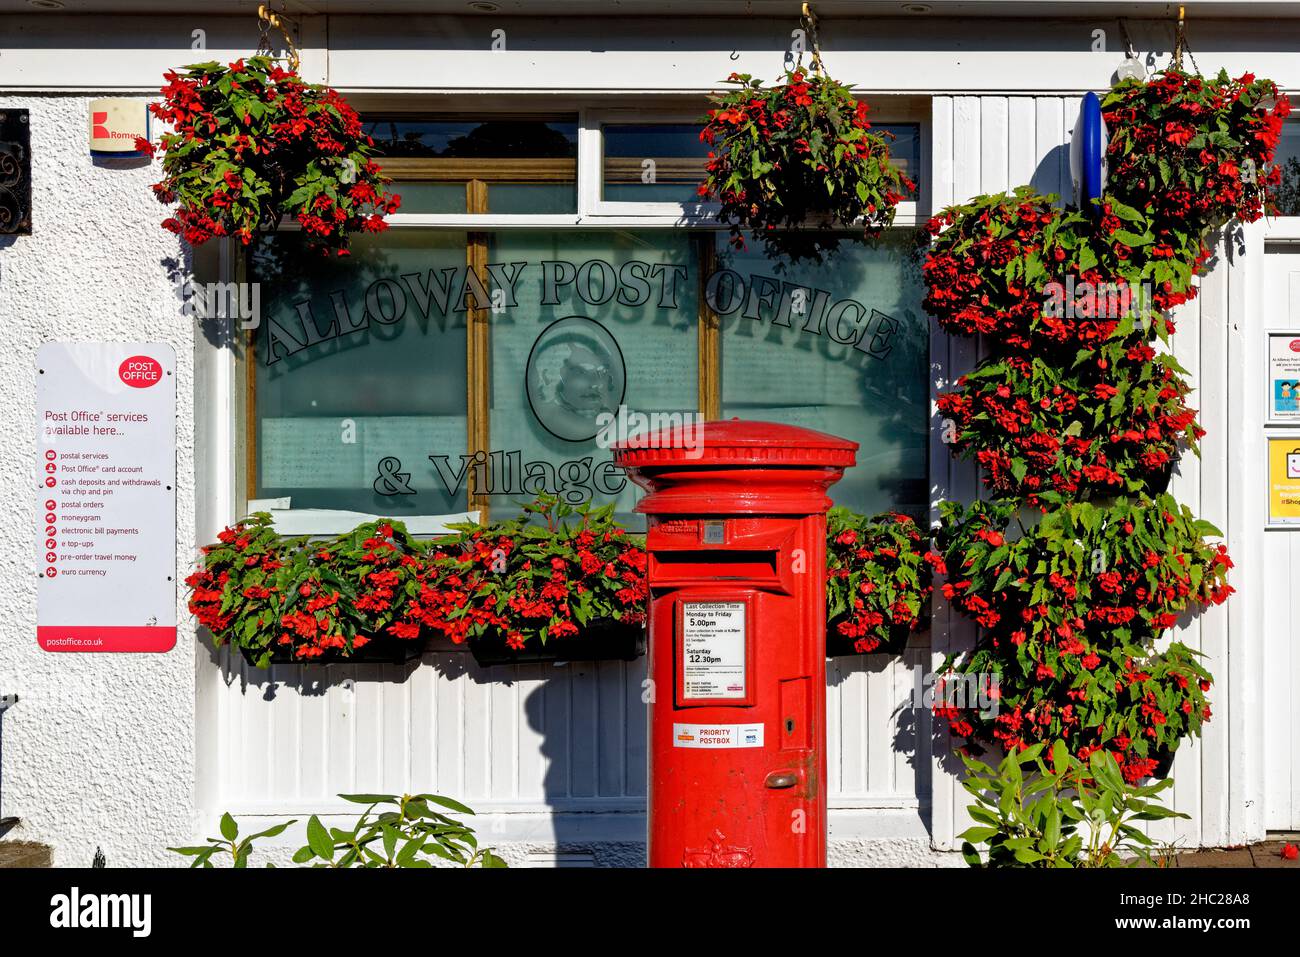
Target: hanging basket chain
[[1180, 42], [808, 20], [268, 19]]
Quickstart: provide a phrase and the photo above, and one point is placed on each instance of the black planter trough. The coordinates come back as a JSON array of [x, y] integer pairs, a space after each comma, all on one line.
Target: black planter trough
[[605, 640], [380, 651]]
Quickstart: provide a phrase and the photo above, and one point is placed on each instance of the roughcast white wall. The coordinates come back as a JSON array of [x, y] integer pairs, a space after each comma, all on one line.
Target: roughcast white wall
[[99, 751]]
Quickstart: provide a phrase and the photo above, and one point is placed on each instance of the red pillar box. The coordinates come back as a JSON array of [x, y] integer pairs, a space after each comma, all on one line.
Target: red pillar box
[[737, 566]]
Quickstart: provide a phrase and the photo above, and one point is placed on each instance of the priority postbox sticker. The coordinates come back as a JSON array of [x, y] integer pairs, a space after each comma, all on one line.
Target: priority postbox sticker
[[717, 735], [713, 649]]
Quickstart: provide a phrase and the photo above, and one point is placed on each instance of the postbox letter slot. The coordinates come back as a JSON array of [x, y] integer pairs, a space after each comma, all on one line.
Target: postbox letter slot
[[717, 564]]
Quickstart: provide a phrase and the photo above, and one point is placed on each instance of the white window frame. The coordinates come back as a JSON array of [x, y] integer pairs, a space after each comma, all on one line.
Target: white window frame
[[595, 212], [591, 162]]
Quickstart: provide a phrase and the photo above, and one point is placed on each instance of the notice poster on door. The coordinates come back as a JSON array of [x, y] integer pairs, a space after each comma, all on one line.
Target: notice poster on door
[[1283, 376], [713, 650], [1284, 481], [105, 496]]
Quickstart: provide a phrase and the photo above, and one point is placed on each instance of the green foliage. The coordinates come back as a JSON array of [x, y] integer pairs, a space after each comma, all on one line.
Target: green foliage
[[878, 579], [251, 142], [261, 592], [228, 844], [1058, 812], [545, 574], [408, 831], [1071, 606]]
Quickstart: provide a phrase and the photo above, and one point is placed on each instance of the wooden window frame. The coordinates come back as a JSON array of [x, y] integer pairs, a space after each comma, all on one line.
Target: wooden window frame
[[479, 175]]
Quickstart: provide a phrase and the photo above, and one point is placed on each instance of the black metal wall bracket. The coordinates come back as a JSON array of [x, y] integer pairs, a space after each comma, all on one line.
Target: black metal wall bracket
[[6, 702], [15, 173]]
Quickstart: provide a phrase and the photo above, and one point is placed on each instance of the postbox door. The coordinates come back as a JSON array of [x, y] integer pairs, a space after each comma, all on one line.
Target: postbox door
[[735, 764]]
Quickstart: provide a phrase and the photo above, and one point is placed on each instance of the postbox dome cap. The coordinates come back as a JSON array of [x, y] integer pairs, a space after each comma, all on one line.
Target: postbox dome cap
[[736, 442]]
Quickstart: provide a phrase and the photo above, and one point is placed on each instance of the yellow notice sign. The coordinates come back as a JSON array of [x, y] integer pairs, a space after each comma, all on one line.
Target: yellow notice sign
[[1284, 480]]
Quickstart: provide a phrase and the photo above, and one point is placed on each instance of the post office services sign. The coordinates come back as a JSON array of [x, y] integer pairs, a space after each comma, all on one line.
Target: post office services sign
[[106, 496]]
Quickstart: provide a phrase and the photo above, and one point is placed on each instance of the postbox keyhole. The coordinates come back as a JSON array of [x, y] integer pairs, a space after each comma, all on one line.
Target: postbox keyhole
[[789, 725]]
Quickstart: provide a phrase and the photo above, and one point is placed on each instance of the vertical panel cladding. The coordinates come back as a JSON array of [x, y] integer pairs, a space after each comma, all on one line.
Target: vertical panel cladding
[[1210, 502], [944, 619], [1247, 312], [1048, 177], [1284, 761], [1280, 566], [1187, 346]]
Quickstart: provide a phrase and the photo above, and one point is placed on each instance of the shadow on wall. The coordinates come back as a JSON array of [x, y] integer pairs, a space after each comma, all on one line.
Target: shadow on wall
[[570, 737], [510, 739]]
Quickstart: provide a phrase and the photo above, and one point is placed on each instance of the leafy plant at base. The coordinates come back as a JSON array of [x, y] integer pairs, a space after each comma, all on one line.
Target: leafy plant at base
[[878, 574], [796, 155], [228, 843], [251, 143], [398, 837], [1061, 812], [392, 838]]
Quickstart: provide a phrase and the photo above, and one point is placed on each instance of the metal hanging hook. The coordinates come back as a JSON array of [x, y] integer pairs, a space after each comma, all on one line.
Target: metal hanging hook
[[1179, 37], [268, 18]]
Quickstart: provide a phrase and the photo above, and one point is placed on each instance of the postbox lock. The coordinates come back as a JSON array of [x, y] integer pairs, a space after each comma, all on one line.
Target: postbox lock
[[780, 780]]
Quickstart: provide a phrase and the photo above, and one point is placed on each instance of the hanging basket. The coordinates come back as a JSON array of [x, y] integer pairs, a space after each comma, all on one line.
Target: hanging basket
[[252, 143], [795, 164]]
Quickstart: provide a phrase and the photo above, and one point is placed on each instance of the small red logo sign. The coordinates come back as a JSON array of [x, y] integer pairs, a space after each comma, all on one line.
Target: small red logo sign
[[1295, 345], [140, 372]]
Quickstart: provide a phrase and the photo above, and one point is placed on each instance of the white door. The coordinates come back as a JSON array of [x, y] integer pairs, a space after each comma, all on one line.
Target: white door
[[1282, 582]]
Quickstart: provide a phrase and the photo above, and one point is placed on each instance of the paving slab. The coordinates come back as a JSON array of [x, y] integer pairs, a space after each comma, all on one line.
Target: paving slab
[[1269, 854], [25, 854], [1228, 857]]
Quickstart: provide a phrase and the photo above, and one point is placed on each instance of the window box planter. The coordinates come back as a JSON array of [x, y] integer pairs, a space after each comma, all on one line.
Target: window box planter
[[603, 640]]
